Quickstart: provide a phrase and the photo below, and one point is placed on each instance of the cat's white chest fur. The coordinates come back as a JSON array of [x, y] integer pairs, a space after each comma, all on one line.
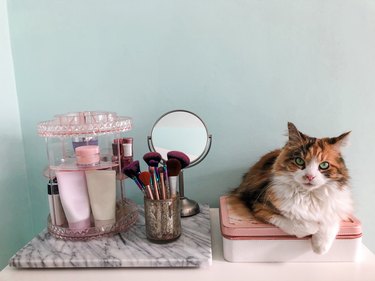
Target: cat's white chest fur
[[315, 211], [324, 204]]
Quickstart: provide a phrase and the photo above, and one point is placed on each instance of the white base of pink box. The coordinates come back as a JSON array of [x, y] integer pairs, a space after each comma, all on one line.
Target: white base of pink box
[[248, 240], [343, 250]]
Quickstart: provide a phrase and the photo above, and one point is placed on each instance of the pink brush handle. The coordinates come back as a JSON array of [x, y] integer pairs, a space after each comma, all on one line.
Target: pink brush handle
[[149, 192], [156, 187], [163, 189]]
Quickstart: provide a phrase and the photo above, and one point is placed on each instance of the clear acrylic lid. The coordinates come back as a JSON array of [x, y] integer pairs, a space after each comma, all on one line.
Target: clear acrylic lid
[[84, 123]]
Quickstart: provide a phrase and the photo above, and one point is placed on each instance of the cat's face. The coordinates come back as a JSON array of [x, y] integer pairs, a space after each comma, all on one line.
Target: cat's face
[[312, 162]]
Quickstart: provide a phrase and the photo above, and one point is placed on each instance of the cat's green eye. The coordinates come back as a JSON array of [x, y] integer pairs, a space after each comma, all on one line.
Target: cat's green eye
[[324, 165], [299, 161]]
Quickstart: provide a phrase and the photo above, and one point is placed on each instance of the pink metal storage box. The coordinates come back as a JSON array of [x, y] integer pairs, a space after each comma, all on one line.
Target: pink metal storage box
[[248, 240]]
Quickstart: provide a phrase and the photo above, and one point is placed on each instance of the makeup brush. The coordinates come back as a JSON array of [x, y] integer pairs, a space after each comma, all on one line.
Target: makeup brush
[[180, 156], [162, 183], [140, 186], [188, 207], [145, 177], [132, 171], [132, 168], [173, 168], [152, 159], [154, 182], [153, 163], [166, 179], [152, 156]]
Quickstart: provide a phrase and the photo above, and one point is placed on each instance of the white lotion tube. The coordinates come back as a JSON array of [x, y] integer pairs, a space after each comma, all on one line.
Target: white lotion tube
[[74, 198], [173, 186], [102, 193]]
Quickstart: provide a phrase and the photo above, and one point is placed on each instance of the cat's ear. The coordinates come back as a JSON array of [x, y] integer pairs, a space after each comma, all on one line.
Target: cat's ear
[[295, 136], [340, 141]]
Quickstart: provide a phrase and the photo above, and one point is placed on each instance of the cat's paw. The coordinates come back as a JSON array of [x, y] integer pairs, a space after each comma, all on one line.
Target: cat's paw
[[301, 233], [320, 245], [298, 228], [303, 229]]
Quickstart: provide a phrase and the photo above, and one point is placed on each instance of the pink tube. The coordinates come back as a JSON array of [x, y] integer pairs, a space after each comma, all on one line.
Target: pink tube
[[74, 198]]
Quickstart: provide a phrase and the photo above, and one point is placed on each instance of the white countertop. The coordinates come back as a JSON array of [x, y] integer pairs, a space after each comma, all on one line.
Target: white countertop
[[220, 269]]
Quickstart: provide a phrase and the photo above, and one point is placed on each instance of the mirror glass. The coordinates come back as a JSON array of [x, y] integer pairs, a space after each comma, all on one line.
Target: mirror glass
[[180, 130]]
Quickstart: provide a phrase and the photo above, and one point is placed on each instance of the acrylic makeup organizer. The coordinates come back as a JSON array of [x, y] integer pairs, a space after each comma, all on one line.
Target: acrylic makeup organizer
[[103, 128]]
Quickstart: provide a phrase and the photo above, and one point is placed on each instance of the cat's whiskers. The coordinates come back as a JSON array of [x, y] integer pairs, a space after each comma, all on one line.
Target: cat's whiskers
[[261, 193], [267, 198]]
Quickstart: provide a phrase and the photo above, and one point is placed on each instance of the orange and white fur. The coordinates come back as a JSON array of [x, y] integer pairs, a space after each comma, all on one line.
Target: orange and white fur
[[301, 188]]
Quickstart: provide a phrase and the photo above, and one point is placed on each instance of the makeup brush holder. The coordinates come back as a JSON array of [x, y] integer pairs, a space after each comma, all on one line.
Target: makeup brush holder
[[162, 219], [86, 154]]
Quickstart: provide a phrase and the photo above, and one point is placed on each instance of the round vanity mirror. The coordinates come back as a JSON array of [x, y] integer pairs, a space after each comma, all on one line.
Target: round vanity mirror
[[181, 130]]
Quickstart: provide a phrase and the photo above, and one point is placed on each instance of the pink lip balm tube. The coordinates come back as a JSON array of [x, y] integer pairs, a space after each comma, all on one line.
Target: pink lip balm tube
[[88, 155]]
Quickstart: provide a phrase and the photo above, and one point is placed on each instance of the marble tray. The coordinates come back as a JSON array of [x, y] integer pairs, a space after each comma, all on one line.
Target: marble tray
[[129, 249]]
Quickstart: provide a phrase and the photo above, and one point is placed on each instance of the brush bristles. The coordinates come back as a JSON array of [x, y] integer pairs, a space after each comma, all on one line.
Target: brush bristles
[[180, 156], [173, 167], [155, 156], [153, 163], [132, 169], [145, 177]]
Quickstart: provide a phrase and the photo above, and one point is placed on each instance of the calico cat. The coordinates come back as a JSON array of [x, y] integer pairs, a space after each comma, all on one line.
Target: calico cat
[[301, 188]]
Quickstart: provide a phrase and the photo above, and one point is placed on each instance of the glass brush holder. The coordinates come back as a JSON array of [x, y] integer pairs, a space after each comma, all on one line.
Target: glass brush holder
[[86, 153]]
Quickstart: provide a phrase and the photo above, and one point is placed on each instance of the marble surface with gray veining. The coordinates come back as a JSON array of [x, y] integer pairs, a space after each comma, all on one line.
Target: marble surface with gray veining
[[128, 249]]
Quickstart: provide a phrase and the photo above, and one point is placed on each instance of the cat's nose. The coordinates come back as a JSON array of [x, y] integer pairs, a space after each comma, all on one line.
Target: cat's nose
[[309, 177]]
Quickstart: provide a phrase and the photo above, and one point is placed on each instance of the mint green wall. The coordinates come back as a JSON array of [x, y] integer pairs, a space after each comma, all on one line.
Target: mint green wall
[[245, 67], [15, 211]]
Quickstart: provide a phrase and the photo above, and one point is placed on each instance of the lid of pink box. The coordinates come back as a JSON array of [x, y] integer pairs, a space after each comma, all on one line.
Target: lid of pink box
[[237, 222]]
